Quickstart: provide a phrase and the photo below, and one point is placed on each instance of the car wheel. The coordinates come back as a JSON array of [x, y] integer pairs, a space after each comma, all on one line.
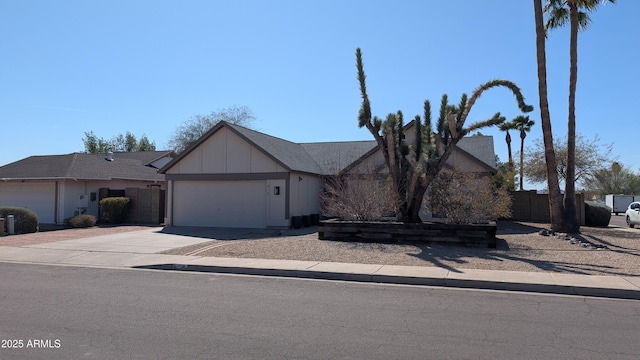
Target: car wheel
[[629, 222]]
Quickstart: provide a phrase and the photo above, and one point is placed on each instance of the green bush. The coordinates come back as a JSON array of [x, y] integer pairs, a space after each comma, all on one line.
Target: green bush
[[80, 221], [25, 220], [596, 214], [114, 210]]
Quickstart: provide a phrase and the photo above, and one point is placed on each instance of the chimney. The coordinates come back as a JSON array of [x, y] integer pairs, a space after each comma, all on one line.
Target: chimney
[[109, 156]]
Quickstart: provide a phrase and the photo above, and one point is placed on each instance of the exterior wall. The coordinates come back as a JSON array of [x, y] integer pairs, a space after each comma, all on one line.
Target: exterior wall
[[463, 161], [225, 153], [66, 198], [70, 193], [371, 164], [304, 194]]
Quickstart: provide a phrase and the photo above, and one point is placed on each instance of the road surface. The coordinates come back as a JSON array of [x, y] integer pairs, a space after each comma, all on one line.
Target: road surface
[[56, 312]]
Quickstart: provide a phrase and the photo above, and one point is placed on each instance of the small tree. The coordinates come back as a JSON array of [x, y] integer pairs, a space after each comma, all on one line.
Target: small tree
[[616, 179], [412, 168], [503, 178], [591, 155], [122, 143], [464, 198], [197, 125]]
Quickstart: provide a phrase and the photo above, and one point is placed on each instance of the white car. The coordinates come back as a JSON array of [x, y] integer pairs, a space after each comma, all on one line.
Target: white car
[[633, 214]]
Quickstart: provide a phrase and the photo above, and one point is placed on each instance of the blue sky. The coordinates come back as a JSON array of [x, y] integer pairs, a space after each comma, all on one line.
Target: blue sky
[[69, 67]]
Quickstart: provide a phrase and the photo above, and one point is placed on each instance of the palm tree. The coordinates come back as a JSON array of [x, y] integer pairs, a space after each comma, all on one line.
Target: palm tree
[[555, 198], [576, 11], [523, 124], [506, 126]]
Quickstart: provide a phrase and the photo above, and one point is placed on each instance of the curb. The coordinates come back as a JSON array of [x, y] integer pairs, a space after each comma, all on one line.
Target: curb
[[405, 280]]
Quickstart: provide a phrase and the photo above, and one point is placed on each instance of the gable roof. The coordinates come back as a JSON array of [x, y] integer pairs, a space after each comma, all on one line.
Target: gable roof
[[325, 158], [80, 166], [289, 154], [314, 158], [480, 147], [333, 157]]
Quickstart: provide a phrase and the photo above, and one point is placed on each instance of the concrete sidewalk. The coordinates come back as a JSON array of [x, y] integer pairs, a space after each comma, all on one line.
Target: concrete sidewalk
[[139, 250]]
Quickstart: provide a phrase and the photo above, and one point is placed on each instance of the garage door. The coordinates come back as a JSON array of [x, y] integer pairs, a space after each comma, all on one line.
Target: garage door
[[220, 203], [37, 197]]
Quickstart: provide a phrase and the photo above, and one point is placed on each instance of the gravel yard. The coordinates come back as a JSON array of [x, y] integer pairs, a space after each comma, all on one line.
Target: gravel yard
[[597, 251]]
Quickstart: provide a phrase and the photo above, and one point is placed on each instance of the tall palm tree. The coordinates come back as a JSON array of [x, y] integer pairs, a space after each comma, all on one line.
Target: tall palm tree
[[524, 124], [555, 198], [576, 11], [506, 126]]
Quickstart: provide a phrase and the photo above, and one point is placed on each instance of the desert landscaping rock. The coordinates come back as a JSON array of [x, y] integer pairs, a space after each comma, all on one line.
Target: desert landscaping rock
[[520, 247]]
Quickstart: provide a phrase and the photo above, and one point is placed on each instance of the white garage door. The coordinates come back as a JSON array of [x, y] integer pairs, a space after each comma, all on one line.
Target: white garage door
[[220, 203], [37, 197]]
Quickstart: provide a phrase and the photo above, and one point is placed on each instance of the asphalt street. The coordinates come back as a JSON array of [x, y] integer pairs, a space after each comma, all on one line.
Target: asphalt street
[[60, 312]]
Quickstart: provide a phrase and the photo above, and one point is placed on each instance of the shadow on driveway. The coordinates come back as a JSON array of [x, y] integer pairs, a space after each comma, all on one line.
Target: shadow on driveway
[[216, 233]]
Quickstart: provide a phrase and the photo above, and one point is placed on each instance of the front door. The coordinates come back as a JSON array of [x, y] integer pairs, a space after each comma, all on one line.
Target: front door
[[276, 203]]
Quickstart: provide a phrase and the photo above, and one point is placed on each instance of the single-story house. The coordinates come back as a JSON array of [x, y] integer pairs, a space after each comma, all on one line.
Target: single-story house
[[237, 177], [57, 187]]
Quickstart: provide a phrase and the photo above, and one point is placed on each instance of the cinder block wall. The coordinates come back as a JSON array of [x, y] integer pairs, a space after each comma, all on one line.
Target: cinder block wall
[[534, 207]]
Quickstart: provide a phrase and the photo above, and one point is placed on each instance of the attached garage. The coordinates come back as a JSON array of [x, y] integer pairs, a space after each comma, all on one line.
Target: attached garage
[[220, 203], [237, 177], [37, 197]]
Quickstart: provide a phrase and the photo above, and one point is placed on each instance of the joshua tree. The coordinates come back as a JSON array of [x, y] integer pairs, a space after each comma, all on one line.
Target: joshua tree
[[523, 124], [413, 168]]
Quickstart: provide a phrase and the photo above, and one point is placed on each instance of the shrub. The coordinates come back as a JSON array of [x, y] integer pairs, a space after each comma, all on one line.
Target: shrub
[[114, 209], [596, 214], [463, 198], [366, 197], [80, 221], [25, 220]]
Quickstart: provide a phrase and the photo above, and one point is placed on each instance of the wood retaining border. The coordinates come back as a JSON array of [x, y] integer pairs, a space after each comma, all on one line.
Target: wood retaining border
[[397, 231]]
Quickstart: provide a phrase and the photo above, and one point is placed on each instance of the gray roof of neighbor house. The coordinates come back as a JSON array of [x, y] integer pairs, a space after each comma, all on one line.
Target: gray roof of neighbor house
[[80, 166]]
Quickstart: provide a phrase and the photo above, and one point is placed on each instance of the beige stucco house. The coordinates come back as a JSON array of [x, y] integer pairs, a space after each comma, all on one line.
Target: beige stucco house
[[236, 177]]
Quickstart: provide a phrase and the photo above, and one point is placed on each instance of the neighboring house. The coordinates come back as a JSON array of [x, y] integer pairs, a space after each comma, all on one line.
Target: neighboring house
[[57, 187], [236, 177]]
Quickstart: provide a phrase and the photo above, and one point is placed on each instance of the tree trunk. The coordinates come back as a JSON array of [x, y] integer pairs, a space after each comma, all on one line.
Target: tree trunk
[[555, 198], [523, 135], [570, 218], [508, 140]]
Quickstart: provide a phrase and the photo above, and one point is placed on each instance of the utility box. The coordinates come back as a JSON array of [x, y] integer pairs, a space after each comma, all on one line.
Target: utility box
[[1, 226], [618, 202], [10, 224]]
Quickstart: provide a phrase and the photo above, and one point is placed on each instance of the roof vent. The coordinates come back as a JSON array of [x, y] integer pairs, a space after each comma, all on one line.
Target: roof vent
[[109, 156]]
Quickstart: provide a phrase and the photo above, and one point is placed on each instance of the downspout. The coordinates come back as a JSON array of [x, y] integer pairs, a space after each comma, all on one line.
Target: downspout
[[56, 202]]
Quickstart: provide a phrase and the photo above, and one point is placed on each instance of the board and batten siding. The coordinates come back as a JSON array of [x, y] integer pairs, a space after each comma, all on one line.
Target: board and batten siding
[[224, 152]]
